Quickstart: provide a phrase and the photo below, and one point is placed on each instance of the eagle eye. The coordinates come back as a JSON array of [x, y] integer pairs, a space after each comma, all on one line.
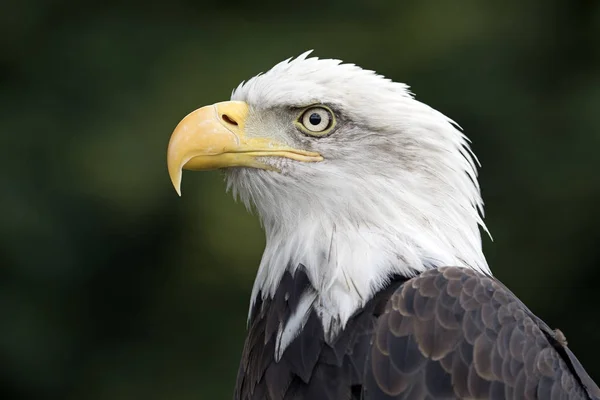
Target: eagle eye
[[316, 121]]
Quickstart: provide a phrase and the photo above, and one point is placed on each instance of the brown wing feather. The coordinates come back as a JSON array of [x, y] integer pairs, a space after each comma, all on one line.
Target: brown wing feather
[[453, 333]]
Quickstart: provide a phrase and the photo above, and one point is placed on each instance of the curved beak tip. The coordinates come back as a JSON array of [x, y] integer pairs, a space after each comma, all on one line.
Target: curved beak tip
[[176, 180]]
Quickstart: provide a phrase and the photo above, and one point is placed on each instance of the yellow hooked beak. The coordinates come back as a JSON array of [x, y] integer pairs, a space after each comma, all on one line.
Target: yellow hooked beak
[[213, 137]]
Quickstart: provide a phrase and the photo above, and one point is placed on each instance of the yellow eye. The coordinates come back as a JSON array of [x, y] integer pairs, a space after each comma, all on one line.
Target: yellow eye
[[316, 121]]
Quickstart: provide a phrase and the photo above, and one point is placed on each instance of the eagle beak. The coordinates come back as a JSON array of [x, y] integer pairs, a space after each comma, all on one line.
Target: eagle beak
[[214, 137]]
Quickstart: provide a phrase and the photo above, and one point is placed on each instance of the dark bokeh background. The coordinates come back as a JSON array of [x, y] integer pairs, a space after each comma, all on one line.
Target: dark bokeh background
[[112, 287]]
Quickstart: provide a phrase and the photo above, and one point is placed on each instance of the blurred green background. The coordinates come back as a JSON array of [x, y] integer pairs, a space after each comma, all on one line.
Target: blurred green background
[[112, 287]]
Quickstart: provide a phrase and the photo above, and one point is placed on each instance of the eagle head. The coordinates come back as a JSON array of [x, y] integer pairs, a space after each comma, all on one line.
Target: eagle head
[[353, 179]]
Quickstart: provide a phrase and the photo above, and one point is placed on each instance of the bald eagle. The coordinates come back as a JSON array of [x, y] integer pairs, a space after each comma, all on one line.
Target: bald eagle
[[373, 283]]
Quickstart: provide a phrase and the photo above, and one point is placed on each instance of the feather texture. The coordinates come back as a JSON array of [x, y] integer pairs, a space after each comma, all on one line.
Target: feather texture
[[449, 333]]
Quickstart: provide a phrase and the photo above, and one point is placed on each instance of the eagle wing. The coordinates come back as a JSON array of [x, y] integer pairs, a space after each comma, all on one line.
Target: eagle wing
[[455, 333]]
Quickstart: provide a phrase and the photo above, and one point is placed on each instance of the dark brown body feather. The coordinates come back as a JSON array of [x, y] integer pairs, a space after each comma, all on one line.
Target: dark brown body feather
[[449, 333]]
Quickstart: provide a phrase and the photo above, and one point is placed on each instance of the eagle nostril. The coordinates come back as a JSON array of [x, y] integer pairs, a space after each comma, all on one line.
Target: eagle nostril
[[229, 120]]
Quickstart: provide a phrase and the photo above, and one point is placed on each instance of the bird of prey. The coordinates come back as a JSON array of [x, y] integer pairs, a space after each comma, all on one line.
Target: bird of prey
[[373, 283]]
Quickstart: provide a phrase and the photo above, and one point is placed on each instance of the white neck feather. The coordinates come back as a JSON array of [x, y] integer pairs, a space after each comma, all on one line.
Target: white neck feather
[[349, 245]]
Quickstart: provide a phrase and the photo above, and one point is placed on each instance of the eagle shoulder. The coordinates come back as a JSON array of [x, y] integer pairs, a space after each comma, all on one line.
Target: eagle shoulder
[[456, 333]]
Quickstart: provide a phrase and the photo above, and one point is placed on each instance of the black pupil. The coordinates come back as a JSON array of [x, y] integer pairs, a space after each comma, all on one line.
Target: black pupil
[[314, 119]]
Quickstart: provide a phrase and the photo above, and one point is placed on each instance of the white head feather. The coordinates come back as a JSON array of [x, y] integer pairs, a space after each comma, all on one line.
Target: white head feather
[[397, 192]]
